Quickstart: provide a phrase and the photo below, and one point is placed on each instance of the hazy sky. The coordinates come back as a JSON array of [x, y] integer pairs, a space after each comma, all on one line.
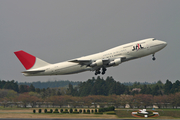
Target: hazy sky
[[59, 30]]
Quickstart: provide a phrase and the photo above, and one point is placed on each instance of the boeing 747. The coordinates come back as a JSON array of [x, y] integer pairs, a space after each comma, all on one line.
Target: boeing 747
[[98, 62]]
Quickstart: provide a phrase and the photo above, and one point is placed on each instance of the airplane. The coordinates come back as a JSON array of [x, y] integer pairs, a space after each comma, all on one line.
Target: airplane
[[98, 62]]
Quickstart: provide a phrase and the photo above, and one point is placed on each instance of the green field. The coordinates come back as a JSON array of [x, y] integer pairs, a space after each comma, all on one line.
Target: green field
[[120, 113]]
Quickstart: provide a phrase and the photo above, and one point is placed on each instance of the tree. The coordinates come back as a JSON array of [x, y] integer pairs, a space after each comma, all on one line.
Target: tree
[[125, 99], [33, 100], [32, 88], [23, 88], [143, 90], [172, 99], [158, 100], [58, 92], [165, 100], [137, 100], [70, 90], [167, 87], [4, 101], [177, 99], [61, 100], [25, 98], [156, 91], [37, 90], [175, 87], [88, 100], [146, 99]]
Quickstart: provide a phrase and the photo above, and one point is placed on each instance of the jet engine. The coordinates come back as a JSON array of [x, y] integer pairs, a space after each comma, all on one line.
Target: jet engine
[[97, 63], [115, 62]]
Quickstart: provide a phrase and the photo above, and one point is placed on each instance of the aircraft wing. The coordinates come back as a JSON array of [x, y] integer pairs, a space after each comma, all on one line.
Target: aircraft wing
[[87, 62]]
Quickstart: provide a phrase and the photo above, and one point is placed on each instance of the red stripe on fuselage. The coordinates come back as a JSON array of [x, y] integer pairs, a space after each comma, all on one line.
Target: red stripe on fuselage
[[138, 46], [26, 59]]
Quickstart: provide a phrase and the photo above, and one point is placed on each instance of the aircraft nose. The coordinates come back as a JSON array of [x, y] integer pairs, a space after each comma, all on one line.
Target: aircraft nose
[[163, 43]]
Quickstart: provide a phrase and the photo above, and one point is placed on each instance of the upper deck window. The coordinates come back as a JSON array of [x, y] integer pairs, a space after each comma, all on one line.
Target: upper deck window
[[153, 39]]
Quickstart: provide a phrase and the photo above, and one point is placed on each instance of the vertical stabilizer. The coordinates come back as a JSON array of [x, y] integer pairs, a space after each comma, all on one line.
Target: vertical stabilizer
[[29, 61]]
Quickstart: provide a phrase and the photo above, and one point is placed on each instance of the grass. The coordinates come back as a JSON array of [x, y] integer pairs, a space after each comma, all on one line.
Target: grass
[[15, 112], [28, 113], [124, 113], [168, 109]]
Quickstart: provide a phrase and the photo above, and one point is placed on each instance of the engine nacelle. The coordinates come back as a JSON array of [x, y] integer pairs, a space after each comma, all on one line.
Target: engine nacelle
[[97, 63], [115, 62]]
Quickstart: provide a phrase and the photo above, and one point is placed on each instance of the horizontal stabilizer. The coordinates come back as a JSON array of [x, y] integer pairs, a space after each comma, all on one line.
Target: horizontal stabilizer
[[33, 72]]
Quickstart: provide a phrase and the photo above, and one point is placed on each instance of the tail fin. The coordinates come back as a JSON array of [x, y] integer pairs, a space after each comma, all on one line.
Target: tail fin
[[29, 61]]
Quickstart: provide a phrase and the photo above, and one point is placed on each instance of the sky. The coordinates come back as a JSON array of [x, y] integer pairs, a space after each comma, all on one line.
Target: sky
[[60, 30]]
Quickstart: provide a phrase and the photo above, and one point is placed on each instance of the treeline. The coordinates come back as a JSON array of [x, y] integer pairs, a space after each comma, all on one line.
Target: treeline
[[98, 86], [123, 101], [95, 91], [9, 85], [109, 86], [95, 86], [50, 84]]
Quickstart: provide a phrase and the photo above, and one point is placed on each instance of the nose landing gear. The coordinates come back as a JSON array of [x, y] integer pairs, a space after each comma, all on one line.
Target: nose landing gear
[[153, 58]]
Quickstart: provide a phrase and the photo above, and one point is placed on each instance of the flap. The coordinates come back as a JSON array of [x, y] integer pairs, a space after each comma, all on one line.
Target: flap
[[82, 62]]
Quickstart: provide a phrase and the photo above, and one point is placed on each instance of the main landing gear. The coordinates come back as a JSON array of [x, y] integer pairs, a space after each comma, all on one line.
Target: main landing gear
[[153, 58], [98, 71]]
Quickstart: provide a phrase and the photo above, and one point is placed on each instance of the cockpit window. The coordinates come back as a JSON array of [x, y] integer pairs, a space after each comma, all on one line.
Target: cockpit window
[[153, 39]]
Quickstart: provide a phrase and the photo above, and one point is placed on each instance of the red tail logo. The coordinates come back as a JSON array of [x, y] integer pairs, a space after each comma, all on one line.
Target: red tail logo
[[26, 59]]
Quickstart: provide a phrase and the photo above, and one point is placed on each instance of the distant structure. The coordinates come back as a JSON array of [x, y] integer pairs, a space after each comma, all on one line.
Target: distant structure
[[136, 89]]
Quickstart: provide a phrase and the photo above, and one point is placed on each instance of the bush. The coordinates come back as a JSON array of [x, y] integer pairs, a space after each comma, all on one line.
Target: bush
[[45, 110], [101, 110], [88, 110], [71, 110], [75, 112], [51, 110], [65, 112], [34, 111], [84, 111], [39, 110], [48, 112], [92, 111], [98, 113], [112, 108], [61, 110], [80, 111], [56, 111], [95, 110]]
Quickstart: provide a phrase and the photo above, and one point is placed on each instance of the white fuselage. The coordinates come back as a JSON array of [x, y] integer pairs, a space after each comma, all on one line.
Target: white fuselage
[[124, 52]]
